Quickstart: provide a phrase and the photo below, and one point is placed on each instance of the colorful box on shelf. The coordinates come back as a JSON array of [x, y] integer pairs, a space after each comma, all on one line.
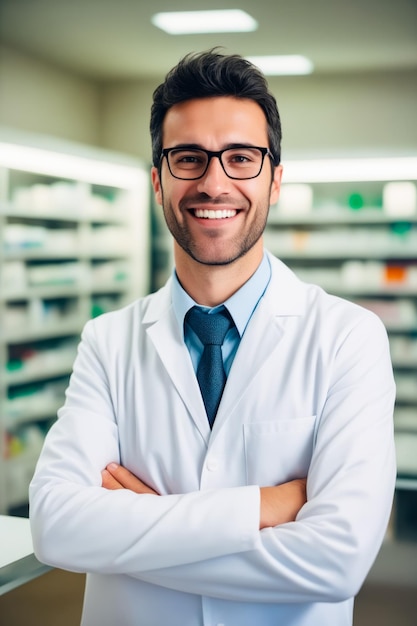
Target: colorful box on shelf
[[400, 199], [45, 197], [56, 274]]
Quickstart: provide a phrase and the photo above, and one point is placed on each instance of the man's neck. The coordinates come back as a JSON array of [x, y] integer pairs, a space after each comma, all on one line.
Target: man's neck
[[211, 285]]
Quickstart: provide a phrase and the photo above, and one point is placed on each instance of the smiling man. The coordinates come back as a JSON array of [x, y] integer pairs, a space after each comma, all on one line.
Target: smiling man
[[216, 205], [225, 454]]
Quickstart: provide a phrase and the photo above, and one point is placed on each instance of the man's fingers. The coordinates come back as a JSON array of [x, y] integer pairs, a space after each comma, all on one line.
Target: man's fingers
[[109, 482], [127, 480]]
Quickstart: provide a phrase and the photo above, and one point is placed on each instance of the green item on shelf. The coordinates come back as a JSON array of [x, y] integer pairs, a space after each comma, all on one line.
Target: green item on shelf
[[355, 201], [13, 365], [401, 228], [97, 310], [120, 275], [23, 392]]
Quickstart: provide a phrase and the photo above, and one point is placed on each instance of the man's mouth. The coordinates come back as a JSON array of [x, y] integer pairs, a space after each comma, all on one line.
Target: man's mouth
[[215, 214]]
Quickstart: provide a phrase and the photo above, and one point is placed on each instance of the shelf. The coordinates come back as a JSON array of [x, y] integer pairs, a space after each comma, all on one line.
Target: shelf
[[56, 329], [20, 470], [338, 216], [401, 327], [67, 291], [74, 242], [405, 363], [336, 287], [376, 291], [26, 415], [109, 287], [407, 483], [355, 235], [38, 371], [407, 396], [73, 216], [36, 254], [104, 255], [45, 292], [290, 254], [10, 211], [45, 254]]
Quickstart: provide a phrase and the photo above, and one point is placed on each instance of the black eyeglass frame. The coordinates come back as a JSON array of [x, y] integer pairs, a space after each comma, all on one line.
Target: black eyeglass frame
[[218, 154]]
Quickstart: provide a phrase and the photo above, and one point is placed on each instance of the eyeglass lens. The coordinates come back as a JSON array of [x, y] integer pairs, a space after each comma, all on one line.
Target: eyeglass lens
[[237, 162]]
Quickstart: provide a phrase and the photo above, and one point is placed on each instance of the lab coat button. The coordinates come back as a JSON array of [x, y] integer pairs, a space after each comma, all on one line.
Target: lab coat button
[[212, 465]]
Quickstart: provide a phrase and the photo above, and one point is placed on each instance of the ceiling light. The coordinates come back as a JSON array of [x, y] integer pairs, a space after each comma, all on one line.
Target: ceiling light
[[189, 22], [283, 65]]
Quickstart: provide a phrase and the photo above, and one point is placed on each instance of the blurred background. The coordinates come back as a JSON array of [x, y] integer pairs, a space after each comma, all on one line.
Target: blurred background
[[80, 234], [85, 70]]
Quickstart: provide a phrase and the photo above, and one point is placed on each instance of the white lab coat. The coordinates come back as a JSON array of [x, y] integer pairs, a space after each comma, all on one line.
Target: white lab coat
[[310, 393]]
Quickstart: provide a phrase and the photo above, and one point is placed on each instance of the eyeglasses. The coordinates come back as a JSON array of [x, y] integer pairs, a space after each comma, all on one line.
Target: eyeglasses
[[239, 162]]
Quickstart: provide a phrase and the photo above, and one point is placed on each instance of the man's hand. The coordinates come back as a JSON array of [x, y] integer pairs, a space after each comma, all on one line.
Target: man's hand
[[281, 504], [118, 477]]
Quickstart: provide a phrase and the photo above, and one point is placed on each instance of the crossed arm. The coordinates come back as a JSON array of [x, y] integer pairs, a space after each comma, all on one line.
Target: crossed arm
[[279, 504]]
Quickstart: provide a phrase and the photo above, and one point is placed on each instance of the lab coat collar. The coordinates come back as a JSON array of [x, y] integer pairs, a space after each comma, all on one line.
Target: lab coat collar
[[284, 297], [286, 294]]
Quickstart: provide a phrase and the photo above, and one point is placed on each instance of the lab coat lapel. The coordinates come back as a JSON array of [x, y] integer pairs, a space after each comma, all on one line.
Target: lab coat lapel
[[167, 339], [285, 297]]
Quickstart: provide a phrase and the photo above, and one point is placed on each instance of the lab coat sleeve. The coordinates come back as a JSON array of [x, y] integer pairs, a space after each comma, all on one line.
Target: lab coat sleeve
[[78, 525], [325, 555]]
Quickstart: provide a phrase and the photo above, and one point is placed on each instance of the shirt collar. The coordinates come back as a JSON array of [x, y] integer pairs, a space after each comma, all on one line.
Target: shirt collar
[[240, 305]]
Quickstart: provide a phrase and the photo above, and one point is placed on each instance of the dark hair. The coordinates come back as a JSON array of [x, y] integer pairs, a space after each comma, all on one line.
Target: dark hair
[[209, 74]]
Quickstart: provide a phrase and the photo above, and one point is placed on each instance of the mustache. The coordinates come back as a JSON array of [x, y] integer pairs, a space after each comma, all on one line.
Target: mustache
[[202, 199]]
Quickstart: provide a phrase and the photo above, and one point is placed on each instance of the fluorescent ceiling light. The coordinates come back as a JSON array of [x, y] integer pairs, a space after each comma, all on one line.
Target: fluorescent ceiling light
[[282, 65], [339, 170], [189, 22]]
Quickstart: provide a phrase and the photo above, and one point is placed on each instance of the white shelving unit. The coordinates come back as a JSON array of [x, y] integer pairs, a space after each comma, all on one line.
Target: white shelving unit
[[343, 224], [74, 242]]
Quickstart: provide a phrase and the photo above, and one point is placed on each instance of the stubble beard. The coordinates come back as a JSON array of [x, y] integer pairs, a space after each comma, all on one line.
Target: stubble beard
[[232, 250]]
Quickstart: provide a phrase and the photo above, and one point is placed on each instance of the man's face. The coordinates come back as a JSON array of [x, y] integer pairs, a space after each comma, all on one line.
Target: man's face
[[237, 209]]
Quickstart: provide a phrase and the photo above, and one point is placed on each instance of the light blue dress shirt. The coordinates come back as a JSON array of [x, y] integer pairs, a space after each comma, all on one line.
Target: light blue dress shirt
[[241, 306]]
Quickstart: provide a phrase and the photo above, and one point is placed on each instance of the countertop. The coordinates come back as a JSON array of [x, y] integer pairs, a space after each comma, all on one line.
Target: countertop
[[18, 563]]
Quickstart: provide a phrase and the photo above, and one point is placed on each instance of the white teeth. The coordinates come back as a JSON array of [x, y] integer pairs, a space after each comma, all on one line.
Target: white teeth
[[215, 215]]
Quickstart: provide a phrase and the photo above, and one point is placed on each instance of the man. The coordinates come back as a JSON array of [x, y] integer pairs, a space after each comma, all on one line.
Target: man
[[269, 505]]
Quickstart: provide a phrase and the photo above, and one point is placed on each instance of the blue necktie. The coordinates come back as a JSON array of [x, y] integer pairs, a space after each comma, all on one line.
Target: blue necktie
[[211, 329]]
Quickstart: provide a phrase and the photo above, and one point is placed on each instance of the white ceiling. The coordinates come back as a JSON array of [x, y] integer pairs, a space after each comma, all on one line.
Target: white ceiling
[[114, 39]]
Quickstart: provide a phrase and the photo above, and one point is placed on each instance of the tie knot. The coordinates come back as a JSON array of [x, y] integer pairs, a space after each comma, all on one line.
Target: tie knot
[[210, 328]]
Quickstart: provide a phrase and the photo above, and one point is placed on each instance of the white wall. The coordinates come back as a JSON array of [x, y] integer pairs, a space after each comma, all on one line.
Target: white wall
[[125, 114], [365, 112], [328, 113], [38, 97], [361, 112]]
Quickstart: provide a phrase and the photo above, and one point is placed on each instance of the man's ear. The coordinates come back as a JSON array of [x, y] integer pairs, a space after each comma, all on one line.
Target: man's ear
[[156, 184], [276, 185]]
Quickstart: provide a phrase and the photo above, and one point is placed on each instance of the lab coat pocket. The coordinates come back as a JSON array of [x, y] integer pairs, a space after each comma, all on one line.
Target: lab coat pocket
[[278, 451]]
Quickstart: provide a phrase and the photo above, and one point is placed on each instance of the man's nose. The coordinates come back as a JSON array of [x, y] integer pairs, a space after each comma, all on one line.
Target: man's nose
[[215, 180]]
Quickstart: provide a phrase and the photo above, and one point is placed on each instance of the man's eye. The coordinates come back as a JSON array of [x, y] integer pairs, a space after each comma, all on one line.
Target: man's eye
[[187, 158], [240, 158]]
